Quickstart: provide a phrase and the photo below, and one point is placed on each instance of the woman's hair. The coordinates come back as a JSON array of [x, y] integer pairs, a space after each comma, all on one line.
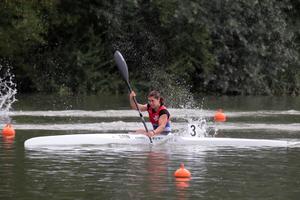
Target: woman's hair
[[156, 94]]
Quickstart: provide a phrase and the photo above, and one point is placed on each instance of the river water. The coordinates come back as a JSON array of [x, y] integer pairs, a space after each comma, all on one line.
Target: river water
[[145, 172]]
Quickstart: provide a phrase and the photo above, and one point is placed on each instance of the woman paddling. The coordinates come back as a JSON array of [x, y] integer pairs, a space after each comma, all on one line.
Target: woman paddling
[[159, 116]]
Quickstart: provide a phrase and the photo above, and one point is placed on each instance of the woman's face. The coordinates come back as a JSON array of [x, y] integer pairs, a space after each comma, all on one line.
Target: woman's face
[[153, 102]]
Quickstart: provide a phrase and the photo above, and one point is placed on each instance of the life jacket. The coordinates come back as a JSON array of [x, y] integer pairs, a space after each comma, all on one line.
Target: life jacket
[[154, 117]]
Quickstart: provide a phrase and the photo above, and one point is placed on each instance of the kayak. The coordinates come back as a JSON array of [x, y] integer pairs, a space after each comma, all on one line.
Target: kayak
[[137, 139]]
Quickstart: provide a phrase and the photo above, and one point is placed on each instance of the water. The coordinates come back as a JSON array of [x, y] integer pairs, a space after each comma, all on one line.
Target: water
[[144, 172]]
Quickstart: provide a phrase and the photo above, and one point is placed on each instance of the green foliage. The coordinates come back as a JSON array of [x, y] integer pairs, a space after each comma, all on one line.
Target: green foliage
[[253, 46], [21, 27], [22, 30], [222, 47], [188, 42]]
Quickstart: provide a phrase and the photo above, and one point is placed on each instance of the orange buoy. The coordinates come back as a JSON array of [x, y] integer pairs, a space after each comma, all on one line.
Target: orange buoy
[[8, 131], [182, 172], [220, 116]]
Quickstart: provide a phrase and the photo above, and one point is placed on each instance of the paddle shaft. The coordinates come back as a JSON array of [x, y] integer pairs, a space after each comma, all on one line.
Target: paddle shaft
[[137, 108]]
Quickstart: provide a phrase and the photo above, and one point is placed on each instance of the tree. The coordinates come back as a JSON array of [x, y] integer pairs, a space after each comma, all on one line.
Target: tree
[[254, 47]]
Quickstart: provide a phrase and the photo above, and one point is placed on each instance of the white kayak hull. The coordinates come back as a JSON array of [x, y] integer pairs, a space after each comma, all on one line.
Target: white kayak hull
[[135, 139], [237, 142], [86, 139]]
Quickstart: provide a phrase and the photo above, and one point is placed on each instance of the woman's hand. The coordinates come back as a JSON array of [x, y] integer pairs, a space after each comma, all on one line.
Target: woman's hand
[[150, 134], [132, 94]]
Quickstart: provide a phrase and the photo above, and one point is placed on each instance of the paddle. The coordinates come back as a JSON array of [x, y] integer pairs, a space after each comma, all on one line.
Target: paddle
[[122, 66]]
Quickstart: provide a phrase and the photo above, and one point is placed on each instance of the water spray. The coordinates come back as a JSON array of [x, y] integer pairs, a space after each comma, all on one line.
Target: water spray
[[8, 93], [8, 90]]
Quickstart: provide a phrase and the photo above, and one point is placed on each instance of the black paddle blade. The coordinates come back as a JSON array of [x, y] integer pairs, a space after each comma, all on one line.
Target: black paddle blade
[[122, 66]]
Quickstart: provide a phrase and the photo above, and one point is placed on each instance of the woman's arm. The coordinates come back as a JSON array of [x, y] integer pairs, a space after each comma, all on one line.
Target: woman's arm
[[162, 122], [132, 104]]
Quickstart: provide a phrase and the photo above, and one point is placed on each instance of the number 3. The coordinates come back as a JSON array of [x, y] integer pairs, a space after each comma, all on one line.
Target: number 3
[[193, 127]]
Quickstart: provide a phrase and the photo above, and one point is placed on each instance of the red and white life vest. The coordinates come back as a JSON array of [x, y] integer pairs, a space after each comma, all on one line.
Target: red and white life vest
[[154, 117]]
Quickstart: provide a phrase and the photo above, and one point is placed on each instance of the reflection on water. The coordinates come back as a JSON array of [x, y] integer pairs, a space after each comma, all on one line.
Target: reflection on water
[[7, 142], [133, 173], [115, 171]]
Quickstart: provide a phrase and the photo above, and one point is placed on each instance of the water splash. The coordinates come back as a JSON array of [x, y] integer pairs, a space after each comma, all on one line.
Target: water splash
[[179, 96], [177, 92], [8, 93]]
